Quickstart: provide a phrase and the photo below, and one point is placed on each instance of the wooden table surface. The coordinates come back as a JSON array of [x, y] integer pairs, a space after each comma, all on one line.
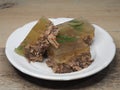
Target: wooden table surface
[[15, 13]]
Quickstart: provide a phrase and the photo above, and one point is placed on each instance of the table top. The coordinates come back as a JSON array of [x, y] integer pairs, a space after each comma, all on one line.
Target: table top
[[15, 13]]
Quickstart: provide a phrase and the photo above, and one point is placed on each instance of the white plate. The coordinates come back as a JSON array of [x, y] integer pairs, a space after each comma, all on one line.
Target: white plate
[[103, 46]]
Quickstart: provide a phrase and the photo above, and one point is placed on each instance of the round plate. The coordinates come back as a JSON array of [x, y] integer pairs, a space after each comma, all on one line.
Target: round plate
[[103, 47]]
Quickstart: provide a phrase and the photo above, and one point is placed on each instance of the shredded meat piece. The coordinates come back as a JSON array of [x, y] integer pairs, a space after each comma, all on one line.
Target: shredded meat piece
[[36, 51], [52, 40], [81, 61], [51, 34], [87, 40]]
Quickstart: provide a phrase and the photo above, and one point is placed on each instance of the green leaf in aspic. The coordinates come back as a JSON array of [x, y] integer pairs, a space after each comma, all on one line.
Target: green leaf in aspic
[[77, 25], [65, 38]]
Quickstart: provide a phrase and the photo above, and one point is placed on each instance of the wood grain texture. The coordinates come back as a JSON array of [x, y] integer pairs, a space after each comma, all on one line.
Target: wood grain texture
[[16, 13]]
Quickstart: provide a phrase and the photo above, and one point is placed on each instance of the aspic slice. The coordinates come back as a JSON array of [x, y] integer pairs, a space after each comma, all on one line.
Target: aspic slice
[[34, 35], [75, 38]]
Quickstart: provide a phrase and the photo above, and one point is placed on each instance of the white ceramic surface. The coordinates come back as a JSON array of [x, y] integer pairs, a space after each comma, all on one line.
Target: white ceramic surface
[[103, 48]]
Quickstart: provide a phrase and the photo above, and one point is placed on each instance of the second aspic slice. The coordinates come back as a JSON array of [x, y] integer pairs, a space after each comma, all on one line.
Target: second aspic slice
[[75, 38]]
